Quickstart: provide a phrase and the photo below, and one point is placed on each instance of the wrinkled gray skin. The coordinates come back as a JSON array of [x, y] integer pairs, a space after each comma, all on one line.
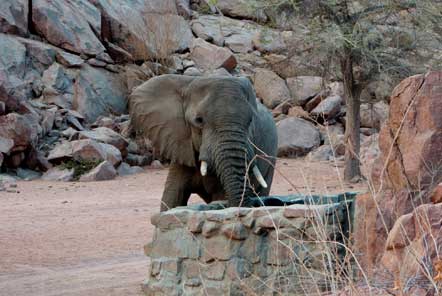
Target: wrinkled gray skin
[[190, 119]]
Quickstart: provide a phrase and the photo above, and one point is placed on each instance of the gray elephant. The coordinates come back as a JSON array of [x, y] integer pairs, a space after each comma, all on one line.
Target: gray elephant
[[213, 131]]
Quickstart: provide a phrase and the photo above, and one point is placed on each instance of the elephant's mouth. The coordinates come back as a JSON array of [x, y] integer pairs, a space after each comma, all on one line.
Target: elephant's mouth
[[255, 170]]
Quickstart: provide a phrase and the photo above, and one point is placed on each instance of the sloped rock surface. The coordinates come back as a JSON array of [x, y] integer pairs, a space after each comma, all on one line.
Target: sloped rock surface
[[417, 142], [13, 87], [410, 145], [210, 57], [145, 29], [14, 17], [72, 25], [99, 92]]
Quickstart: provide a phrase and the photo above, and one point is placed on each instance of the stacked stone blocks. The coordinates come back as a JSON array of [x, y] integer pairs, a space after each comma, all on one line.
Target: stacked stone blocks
[[290, 250]]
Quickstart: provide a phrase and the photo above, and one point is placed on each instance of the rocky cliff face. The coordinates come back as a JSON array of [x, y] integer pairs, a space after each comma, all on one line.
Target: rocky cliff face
[[398, 226], [68, 67]]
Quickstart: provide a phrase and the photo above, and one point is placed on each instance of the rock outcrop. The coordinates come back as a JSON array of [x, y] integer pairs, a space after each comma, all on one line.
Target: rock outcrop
[[397, 221]]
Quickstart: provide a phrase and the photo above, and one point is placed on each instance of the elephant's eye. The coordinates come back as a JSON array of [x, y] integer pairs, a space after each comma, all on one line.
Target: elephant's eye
[[199, 121]]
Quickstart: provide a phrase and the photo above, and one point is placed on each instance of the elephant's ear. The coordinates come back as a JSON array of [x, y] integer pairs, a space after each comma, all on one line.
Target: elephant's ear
[[249, 91], [157, 112]]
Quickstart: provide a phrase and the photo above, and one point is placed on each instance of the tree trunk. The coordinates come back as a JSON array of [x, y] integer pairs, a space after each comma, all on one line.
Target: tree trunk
[[352, 169]]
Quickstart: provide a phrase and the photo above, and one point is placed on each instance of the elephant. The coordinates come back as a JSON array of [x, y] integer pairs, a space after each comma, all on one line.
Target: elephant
[[220, 141]]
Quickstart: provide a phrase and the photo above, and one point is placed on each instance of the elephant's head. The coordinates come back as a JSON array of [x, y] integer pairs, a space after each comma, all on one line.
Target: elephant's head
[[204, 123]]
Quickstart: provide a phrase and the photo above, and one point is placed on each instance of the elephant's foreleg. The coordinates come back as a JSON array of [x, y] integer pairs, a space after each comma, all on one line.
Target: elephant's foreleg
[[178, 187]]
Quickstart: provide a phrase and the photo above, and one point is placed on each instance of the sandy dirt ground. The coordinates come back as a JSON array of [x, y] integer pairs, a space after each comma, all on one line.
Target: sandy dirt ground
[[87, 238]]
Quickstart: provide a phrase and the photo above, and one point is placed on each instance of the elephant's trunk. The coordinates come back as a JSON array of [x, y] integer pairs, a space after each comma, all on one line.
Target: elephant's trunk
[[233, 154]]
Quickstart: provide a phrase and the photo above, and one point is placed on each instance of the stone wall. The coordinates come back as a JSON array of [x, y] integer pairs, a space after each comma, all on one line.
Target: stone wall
[[294, 250]]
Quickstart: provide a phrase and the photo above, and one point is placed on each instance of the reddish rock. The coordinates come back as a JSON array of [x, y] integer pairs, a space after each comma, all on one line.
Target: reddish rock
[[402, 232], [418, 255], [410, 145], [209, 57], [436, 194], [413, 133]]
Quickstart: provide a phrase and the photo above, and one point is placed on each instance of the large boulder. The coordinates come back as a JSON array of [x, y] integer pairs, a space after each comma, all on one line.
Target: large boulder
[[85, 150], [239, 35], [271, 41], [99, 92], [40, 55], [58, 174], [411, 139], [58, 86], [271, 88], [72, 25], [14, 16], [210, 57], [328, 108], [404, 174], [412, 251], [296, 137], [107, 136], [303, 88], [13, 86], [168, 34], [145, 29], [89, 150], [104, 171], [241, 9], [19, 129], [208, 28]]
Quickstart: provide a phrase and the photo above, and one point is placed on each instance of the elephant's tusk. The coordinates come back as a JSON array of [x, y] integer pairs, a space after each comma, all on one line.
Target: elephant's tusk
[[259, 177], [203, 168]]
